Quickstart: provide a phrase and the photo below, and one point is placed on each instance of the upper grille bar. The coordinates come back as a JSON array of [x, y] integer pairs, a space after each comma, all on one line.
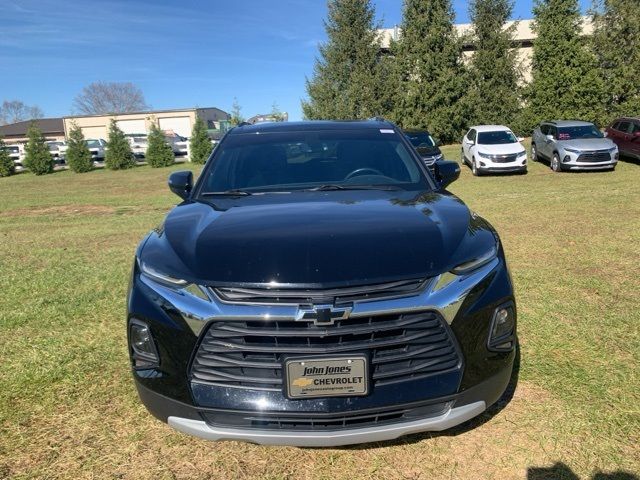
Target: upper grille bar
[[311, 295]]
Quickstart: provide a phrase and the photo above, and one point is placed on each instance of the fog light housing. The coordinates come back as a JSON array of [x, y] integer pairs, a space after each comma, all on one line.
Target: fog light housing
[[566, 159], [503, 327], [482, 164], [142, 346]]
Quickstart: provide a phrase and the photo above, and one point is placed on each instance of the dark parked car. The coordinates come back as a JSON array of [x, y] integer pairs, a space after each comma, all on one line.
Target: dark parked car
[[625, 133], [426, 146], [318, 287]]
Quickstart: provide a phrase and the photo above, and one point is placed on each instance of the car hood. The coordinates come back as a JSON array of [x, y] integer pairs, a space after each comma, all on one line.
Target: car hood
[[317, 239], [428, 151], [588, 144], [503, 149]]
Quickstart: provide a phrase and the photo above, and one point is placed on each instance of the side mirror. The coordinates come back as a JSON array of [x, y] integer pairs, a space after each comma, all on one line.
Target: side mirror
[[521, 139], [181, 183], [549, 138], [447, 172]]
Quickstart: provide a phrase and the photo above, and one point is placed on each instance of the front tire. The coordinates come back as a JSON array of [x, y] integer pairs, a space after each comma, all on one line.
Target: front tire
[[474, 168], [534, 153], [463, 160], [555, 163]]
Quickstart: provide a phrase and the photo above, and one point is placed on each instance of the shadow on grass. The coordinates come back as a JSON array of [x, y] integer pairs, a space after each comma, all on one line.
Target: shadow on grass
[[560, 471], [481, 419]]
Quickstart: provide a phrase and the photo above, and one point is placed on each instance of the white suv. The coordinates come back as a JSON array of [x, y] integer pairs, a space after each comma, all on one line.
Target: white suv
[[493, 148]]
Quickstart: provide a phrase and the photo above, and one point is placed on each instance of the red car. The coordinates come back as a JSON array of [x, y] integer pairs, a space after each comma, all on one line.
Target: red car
[[625, 132]]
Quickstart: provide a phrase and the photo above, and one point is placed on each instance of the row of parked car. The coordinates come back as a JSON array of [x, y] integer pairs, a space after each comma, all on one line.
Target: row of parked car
[[97, 148], [565, 145]]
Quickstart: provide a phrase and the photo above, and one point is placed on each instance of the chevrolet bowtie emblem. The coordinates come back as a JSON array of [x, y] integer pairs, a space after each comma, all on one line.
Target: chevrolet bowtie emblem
[[302, 382], [323, 314]]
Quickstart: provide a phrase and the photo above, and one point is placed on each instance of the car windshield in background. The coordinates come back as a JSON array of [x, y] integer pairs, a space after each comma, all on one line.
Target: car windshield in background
[[93, 143], [496, 138], [421, 140], [304, 160], [573, 133]]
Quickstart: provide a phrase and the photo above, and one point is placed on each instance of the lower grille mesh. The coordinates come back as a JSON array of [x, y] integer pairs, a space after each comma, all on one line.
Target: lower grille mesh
[[251, 353], [315, 422]]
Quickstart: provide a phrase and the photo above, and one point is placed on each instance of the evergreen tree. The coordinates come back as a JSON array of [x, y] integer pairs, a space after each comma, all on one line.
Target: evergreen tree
[[431, 78], [200, 145], [617, 46], [344, 83], [78, 156], [159, 153], [7, 166], [565, 81], [37, 158], [494, 69], [236, 113], [118, 155]]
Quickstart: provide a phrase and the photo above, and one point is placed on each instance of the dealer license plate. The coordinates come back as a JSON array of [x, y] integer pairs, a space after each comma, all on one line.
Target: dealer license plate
[[326, 377]]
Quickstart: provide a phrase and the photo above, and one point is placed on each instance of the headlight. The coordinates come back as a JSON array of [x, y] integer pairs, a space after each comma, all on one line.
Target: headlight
[[182, 286], [475, 263], [438, 157], [572, 150], [522, 153], [613, 150], [485, 155]]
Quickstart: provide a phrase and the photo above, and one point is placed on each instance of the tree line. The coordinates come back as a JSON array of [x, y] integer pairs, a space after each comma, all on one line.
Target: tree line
[[425, 82]]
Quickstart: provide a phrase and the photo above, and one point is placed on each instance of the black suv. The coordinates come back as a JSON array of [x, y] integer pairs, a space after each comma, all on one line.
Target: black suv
[[426, 146], [317, 286]]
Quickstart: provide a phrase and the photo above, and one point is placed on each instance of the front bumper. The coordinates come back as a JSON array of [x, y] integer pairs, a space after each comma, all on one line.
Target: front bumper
[[459, 408], [589, 166], [335, 438]]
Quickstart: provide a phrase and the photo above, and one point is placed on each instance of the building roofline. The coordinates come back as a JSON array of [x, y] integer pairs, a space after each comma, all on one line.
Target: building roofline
[[145, 112]]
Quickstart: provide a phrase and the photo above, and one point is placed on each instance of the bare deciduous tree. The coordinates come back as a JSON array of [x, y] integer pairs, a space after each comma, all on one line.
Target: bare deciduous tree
[[13, 111], [99, 98]]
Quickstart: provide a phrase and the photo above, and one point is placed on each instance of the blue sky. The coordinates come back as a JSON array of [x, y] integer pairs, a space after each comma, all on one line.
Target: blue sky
[[182, 54]]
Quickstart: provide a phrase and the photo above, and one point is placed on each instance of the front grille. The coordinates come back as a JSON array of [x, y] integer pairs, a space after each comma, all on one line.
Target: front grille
[[504, 158], [315, 422], [251, 353], [594, 157], [300, 296]]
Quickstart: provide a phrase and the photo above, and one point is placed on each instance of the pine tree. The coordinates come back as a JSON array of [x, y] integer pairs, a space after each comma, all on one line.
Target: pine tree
[[118, 155], [494, 70], [565, 81], [431, 78], [7, 166], [616, 44], [236, 113], [37, 158], [200, 145], [78, 156], [345, 83], [159, 153]]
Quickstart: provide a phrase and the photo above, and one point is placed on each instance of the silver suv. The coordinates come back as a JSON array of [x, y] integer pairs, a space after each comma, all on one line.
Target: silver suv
[[573, 145]]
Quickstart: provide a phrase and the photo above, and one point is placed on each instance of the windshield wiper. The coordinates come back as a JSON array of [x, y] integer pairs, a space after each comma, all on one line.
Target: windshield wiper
[[329, 187], [227, 193]]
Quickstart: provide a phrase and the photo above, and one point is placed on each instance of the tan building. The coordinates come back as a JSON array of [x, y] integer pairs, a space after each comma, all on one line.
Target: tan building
[[522, 41], [177, 121]]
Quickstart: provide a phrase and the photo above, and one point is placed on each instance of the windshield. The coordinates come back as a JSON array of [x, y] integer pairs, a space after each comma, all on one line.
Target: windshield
[[305, 160], [585, 131], [93, 143], [421, 139], [496, 138]]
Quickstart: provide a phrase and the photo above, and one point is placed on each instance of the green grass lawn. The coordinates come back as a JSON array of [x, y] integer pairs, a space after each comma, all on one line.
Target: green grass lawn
[[68, 408]]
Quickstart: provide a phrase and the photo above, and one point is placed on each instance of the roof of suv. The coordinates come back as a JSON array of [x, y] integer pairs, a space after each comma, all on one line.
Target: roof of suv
[[569, 123], [311, 126], [490, 128]]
